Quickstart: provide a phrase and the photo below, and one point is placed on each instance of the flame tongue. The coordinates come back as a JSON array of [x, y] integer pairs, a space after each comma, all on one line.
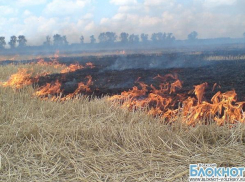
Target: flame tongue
[[49, 89], [81, 88], [199, 91], [158, 101], [163, 102], [24, 77], [19, 80], [72, 68], [65, 69], [176, 84], [90, 65]]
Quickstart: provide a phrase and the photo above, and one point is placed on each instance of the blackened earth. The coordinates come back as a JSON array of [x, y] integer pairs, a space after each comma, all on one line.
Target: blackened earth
[[114, 74]]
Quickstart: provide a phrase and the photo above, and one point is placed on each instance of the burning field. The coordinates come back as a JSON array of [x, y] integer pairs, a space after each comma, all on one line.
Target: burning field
[[115, 118], [159, 92]]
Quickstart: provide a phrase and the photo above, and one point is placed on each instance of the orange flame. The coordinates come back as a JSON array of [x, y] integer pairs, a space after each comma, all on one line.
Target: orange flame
[[49, 89], [90, 65], [81, 88], [176, 84], [199, 91], [160, 102], [54, 63], [65, 69], [19, 80], [72, 68]]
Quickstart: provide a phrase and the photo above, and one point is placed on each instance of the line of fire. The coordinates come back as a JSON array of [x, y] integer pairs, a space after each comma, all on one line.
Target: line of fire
[[159, 93]]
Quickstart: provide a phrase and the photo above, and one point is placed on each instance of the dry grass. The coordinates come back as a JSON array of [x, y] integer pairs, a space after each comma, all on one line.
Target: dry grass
[[84, 140]]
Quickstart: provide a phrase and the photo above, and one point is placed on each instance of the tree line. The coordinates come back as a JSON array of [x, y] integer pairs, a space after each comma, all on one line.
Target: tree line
[[111, 37], [21, 40], [103, 38]]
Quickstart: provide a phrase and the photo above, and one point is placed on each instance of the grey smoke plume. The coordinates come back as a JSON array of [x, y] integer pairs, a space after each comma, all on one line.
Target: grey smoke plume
[[163, 62]]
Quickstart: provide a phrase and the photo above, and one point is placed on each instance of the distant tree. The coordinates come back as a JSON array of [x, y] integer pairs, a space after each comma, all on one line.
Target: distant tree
[[162, 37], [48, 41], [81, 39], [13, 41], [22, 41], [158, 37], [154, 37], [193, 35], [111, 37], [107, 37], [144, 37], [92, 39], [2, 42], [64, 41], [170, 37], [244, 34], [124, 37], [58, 40], [102, 37], [134, 38]]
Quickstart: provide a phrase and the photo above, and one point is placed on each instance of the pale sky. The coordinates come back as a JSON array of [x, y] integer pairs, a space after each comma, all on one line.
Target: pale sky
[[38, 18]]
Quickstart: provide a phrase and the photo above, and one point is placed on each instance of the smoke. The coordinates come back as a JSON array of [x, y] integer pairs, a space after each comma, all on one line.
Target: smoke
[[158, 62]]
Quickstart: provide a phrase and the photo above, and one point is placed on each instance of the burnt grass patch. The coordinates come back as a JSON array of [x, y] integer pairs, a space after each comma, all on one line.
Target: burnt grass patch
[[110, 78]]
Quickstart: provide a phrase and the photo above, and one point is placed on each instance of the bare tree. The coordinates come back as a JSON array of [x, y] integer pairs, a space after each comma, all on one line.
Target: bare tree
[[192, 36], [13, 41], [2, 42], [48, 41]]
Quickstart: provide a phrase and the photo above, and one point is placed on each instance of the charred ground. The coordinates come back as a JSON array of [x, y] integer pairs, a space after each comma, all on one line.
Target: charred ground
[[114, 74]]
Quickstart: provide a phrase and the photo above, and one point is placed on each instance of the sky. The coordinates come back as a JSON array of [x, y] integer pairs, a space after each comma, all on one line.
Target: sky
[[73, 18]]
